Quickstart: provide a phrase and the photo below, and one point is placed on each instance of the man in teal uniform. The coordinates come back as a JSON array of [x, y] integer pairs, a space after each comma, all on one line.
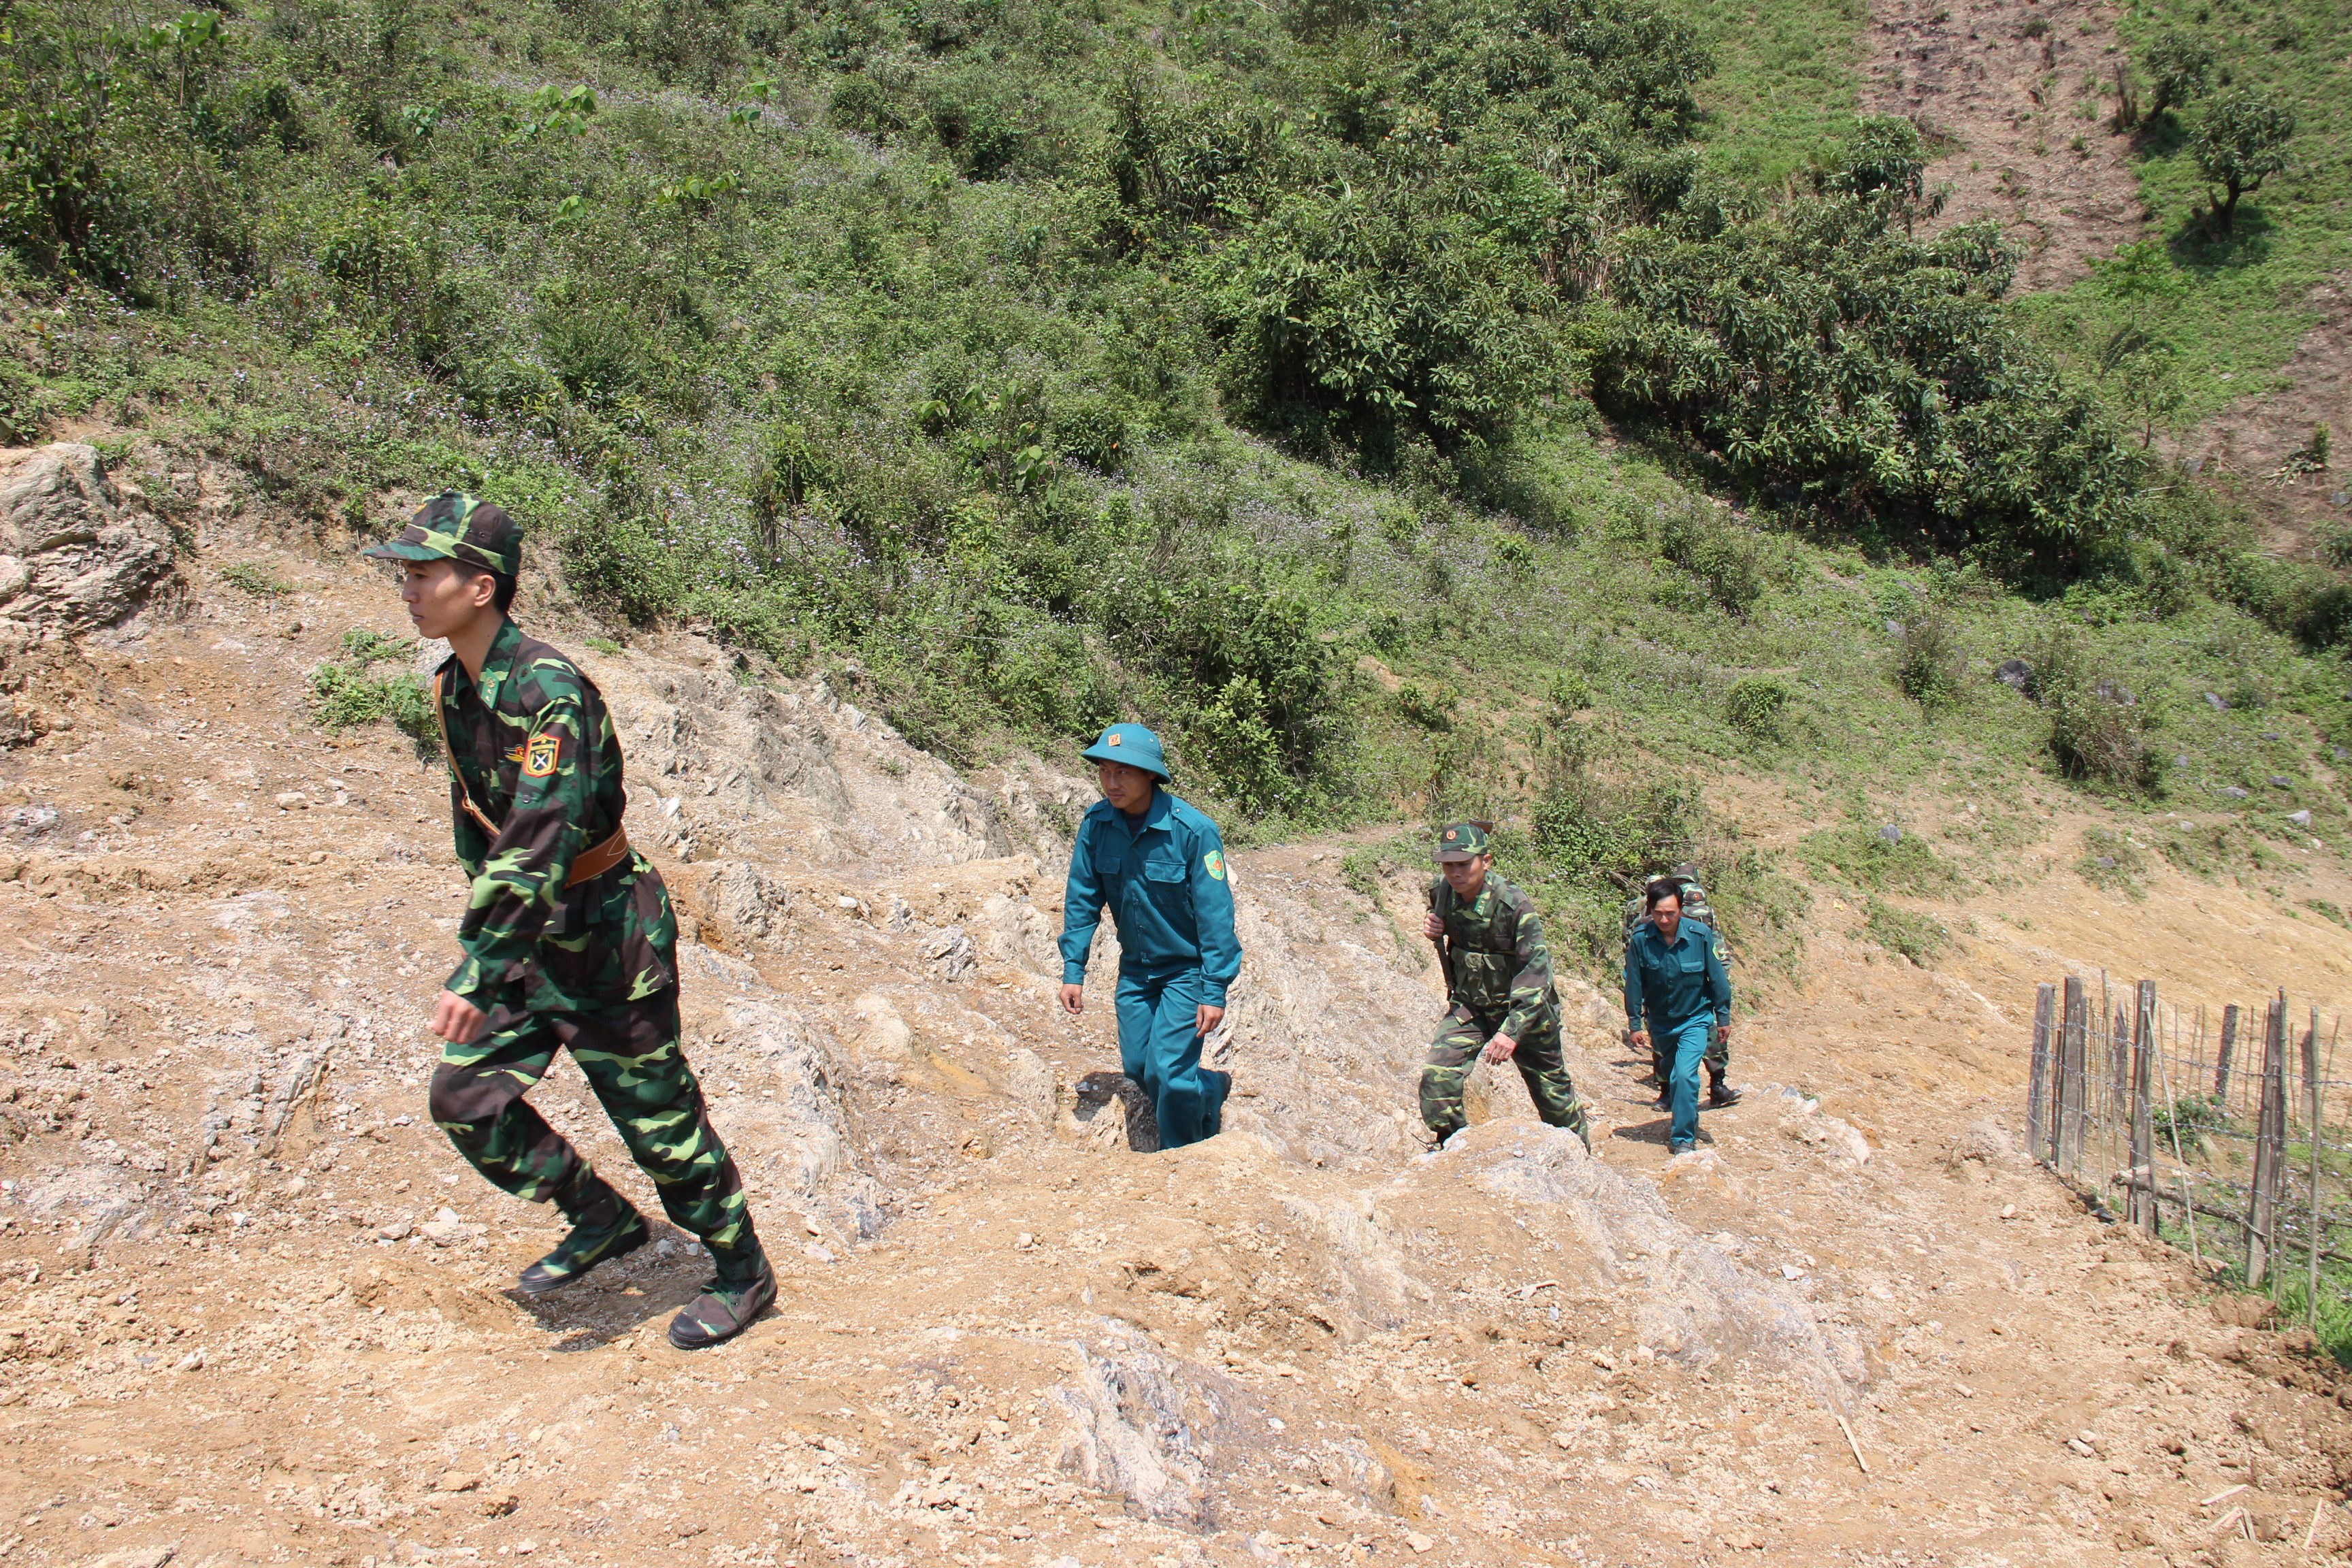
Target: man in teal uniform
[[569, 942], [1159, 867], [1675, 984]]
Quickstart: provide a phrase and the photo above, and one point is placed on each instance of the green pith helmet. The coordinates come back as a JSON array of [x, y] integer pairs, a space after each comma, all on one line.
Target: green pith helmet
[[1132, 744]]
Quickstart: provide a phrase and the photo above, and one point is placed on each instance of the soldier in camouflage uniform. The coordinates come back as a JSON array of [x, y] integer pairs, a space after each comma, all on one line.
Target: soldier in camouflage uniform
[[569, 940], [1694, 907], [1498, 979]]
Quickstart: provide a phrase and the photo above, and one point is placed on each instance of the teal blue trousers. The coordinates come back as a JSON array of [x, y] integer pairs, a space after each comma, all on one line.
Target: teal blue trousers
[[1158, 1048]]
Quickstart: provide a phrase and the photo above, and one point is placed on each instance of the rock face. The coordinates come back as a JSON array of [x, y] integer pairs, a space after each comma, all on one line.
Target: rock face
[[77, 551]]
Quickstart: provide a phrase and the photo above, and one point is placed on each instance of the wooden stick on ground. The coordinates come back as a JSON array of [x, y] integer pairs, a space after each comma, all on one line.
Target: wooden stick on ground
[[1852, 1444]]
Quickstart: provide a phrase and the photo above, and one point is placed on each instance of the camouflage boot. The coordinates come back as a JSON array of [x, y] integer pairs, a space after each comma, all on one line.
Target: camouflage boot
[[604, 1225], [745, 1288]]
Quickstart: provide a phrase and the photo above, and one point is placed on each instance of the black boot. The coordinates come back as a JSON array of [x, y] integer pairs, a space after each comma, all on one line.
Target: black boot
[[745, 1288], [604, 1226], [1720, 1092]]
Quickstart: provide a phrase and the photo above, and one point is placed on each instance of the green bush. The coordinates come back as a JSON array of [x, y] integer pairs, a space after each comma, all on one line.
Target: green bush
[[1869, 859], [1755, 705], [2095, 735]]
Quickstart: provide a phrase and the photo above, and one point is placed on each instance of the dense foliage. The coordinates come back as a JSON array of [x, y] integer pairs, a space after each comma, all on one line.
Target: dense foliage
[[1034, 364]]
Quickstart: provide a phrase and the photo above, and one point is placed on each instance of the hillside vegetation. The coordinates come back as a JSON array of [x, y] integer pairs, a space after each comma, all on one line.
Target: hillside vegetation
[[1409, 408]]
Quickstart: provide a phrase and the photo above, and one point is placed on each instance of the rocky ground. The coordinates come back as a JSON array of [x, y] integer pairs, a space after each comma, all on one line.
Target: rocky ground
[[253, 1309]]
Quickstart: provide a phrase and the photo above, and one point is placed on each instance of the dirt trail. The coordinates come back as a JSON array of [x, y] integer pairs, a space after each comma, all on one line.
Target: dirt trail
[[253, 1308]]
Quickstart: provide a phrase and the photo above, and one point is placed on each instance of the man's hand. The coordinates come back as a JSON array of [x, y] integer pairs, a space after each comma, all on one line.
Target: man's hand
[[1723, 1034], [457, 1020], [1432, 927], [1074, 999], [1206, 1019], [1637, 1040], [1500, 1047]]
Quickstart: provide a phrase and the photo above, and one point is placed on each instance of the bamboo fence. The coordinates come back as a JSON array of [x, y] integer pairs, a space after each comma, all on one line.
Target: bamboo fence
[[2223, 1126]]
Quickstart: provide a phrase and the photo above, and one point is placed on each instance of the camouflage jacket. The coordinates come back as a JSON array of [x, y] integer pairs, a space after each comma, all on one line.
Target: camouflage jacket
[[533, 745], [1694, 903], [1499, 964]]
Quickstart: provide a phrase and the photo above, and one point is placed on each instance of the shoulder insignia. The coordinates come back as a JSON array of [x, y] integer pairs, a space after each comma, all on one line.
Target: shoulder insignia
[[540, 759], [1215, 862]]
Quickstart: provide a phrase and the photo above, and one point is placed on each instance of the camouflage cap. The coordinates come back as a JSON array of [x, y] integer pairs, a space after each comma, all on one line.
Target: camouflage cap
[[1464, 840], [453, 527]]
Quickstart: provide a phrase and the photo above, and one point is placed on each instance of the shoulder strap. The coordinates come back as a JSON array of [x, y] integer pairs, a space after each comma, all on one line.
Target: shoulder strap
[[449, 755]]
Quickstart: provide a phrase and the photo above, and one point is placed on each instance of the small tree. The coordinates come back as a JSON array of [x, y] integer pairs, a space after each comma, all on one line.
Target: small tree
[[2241, 142], [2181, 69]]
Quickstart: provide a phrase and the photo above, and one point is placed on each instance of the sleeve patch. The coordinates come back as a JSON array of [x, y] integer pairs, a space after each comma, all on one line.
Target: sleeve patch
[[539, 757], [1215, 861]]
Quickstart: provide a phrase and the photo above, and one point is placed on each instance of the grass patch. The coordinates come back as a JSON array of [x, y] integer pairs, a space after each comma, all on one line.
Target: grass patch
[[345, 695], [1885, 858], [1917, 937], [247, 577], [2112, 862]]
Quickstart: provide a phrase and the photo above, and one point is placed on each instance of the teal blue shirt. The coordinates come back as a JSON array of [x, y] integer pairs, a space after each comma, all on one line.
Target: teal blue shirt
[[1670, 985], [1165, 884]]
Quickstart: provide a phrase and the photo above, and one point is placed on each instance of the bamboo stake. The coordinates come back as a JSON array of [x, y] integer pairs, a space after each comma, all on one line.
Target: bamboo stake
[[2311, 1088], [2037, 1094], [2187, 1201]]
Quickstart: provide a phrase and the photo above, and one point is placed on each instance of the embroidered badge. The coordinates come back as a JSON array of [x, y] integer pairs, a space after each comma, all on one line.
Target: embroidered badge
[[1114, 739], [1451, 836], [1215, 862], [539, 759], [514, 754]]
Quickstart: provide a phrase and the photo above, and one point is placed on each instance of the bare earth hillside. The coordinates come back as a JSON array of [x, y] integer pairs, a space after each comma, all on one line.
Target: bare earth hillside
[[253, 1309]]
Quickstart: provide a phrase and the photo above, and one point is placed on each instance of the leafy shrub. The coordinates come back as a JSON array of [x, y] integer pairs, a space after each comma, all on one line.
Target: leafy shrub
[[2093, 736], [1419, 705], [1827, 348], [1755, 705], [344, 696], [2178, 67], [1929, 664], [1723, 555], [2239, 141]]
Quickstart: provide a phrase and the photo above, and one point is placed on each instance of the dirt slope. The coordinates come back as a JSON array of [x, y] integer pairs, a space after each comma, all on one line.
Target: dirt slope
[[253, 1309]]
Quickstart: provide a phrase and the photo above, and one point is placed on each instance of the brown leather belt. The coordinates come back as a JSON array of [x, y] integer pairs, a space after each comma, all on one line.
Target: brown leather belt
[[591, 864]]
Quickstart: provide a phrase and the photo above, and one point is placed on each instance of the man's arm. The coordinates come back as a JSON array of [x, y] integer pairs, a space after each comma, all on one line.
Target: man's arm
[[1212, 917], [1634, 982], [1082, 900], [1533, 982], [524, 870]]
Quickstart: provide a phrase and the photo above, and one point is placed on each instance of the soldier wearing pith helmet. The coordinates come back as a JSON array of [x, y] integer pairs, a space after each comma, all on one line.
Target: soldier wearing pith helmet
[[1158, 865], [1498, 984], [567, 939]]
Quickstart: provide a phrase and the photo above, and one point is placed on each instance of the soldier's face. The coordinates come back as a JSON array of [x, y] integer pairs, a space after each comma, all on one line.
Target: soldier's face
[[441, 599], [1468, 877], [1129, 789], [1667, 917]]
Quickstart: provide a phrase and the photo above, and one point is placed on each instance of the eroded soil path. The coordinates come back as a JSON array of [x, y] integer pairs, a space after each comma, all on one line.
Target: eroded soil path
[[253, 1308]]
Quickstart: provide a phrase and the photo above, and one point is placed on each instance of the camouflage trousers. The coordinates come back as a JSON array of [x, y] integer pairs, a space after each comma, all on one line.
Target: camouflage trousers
[[630, 1055], [1717, 1060], [1461, 1036]]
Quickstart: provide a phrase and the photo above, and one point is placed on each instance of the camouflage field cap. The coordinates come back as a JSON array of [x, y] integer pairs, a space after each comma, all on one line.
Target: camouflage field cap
[[1132, 744], [454, 527], [1464, 840]]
